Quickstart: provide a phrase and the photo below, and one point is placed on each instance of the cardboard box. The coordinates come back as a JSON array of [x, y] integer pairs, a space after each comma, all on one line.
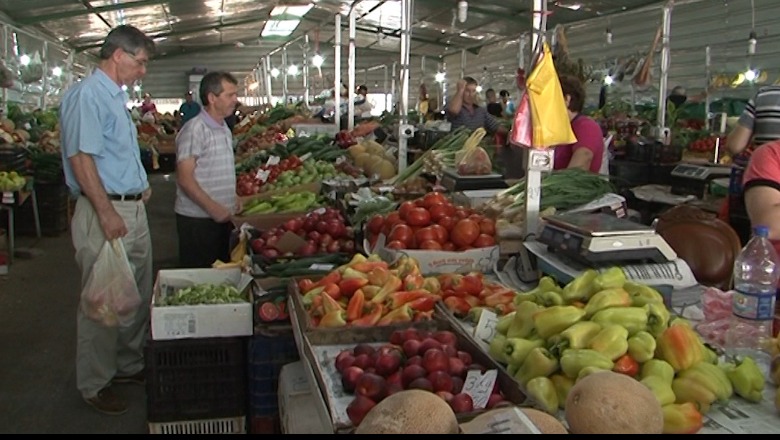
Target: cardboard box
[[300, 412], [435, 262], [203, 320]]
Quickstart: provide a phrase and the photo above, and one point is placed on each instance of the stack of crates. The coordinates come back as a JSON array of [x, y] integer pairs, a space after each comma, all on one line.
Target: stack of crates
[[196, 386], [271, 348]]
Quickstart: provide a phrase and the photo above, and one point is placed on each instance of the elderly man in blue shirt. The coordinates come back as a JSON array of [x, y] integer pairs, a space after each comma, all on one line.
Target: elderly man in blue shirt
[[103, 169]]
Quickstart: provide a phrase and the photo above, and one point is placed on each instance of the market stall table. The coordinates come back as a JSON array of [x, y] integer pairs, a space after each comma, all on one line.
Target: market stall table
[[15, 200]]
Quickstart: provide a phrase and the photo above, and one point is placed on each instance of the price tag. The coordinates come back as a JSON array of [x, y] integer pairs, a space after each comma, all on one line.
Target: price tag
[[322, 267], [262, 175], [486, 327], [340, 160], [273, 160], [319, 211], [480, 386], [332, 195]]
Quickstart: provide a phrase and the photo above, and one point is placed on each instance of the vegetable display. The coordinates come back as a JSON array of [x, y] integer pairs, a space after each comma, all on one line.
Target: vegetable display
[[205, 293]]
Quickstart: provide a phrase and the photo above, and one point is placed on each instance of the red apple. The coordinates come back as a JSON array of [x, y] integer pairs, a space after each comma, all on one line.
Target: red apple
[[371, 370], [411, 347], [343, 360], [397, 338], [450, 350], [412, 372], [395, 379], [446, 337], [414, 360], [350, 377], [495, 400], [363, 361], [465, 357], [457, 367], [462, 403], [387, 364], [440, 380], [457, 384], [411, 333], [420, 383], [445, 395], [429, 344], [435, 360], [394, 388], [363, 349], [358, 408], [372, 386]]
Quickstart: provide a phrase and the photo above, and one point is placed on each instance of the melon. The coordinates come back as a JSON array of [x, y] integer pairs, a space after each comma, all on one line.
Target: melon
[[606, 402], [410, 412], [546, 423]]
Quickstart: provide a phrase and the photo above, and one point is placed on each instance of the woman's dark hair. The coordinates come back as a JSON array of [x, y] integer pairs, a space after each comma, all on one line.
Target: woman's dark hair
[[572, 86], [504, 93], [212, 83], [128, 38]]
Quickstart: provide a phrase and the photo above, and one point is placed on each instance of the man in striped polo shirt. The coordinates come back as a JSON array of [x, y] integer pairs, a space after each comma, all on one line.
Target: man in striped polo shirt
[[463, 110], [205, 176], [759, 123]]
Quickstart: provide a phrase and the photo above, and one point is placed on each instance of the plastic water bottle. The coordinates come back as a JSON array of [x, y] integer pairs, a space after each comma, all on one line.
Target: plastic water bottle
[[756, 272]]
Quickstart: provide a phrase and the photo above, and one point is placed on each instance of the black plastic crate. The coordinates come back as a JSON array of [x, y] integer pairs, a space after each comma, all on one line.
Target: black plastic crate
[[268, 353], [195, 379], [652, 152]]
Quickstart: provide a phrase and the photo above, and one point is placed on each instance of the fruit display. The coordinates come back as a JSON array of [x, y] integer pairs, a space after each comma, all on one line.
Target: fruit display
[[467, 295], [374, 159], [558, 336], [288, 202], [260, 138], [11, 181], [324, 231], [432, 222], [205, 293], [251, 182], [368, 292], [414, 359], [409, 412]]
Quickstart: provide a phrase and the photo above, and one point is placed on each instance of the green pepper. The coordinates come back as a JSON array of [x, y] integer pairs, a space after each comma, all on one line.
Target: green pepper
[[546, 284], [539, 362], [549, 298], [612, 277], [658, 318], [496, 348], [611, 341], [660, 388], [580, 288], [634, 319], [659, 368], [710, 355], [502, 326], [516, 350], [542, 391], [576, 336], [563, 385], [746, 378], [641, 346], [641, 294], [614, 297], [511, 369], [589, 370], [556, 319], [573, 360], [522, 325]]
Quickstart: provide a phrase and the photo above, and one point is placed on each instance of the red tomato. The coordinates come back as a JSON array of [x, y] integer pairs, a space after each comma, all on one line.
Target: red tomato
[[438, 212], [487, 226], [448, 246], [434, 198], [418, 217], [419, 203], [461, 213], [464, 233], [391, 220], [484, 240], [402, 233], [426, 234], [375, 224], [430, 245], [448, 223], [396, 245], [404, 209], [441, 233]]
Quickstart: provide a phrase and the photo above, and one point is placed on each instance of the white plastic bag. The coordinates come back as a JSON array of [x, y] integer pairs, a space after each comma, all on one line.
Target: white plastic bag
[[110, 296]]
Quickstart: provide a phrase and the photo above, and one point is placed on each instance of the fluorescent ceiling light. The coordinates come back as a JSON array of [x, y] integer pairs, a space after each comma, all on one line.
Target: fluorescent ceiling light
[[440, 77], [573, 6], [295, 11], [292, 70], [57, 71], [279, 28], [275, 72], [24, 60], [751, 75], [317, 60], [137, 88]]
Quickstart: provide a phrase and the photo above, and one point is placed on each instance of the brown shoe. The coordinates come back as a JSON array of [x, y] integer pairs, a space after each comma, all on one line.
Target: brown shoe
[[106, 402], [138, 378]]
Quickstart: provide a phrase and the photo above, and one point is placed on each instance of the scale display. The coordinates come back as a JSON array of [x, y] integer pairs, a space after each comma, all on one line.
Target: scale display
[[700, 172], [599, 239], [455, 182]]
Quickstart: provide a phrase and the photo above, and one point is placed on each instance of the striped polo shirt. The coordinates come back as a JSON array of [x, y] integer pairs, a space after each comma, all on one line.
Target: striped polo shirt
[[762, 115], [210, 142], [473, 118]]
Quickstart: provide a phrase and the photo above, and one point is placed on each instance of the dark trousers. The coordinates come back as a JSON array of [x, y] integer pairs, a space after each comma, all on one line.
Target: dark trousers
[[202, 241]]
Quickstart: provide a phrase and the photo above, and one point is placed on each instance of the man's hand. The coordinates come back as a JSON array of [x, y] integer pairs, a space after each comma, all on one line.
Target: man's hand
[[147, 194], [222, 215], [461, 86], [113, 225]]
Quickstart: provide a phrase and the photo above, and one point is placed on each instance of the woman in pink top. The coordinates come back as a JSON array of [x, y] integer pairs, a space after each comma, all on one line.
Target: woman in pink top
[[588, 152], [148, 106]]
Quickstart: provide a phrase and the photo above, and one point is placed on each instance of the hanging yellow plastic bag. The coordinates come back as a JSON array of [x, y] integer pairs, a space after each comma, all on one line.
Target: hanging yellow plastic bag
[[551, 125]]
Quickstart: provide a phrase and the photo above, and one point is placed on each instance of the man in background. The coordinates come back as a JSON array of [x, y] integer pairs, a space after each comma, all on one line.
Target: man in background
[[362, 106], [493, 106], [189, 108], [463, 110], [205, 176]]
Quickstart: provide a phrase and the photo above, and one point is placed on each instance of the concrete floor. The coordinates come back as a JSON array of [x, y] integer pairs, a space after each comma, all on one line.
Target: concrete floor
[[38, 301]]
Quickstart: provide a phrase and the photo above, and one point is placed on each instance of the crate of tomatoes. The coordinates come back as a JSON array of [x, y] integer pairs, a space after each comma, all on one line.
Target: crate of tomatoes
[[441, 236]]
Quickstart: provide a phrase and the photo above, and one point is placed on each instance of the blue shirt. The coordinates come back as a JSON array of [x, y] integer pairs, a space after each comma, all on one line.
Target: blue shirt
[[473, 118], [188, 111], [94, 120]]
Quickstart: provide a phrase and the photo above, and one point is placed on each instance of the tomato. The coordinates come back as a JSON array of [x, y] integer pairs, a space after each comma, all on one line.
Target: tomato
[[461, 213], [464, 233], [426, 234], [419, 203], [402, 233], [418, 217], [391, 220], [448, 246], [430, 245], [442, 235], [484, 240], [438, 212], [375, 224], [487, 226], [395, 245], [448, 223], [434, 198], [404, 209]]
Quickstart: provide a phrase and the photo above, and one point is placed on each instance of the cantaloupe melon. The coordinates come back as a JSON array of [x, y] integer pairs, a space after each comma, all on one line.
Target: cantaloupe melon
[[606, 402], [410, 412], [355, 150], [546, 423]]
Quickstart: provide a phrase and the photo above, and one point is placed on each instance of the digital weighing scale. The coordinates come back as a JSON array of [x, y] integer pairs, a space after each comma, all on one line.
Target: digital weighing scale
[[694, 179], [455, 182], [598, 239]]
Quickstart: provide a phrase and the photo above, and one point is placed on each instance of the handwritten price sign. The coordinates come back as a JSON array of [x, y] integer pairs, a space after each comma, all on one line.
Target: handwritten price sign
[[486, 327], [480, 386]]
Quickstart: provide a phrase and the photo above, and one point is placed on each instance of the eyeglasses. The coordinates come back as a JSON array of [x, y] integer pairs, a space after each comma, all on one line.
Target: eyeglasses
[[141, 63]]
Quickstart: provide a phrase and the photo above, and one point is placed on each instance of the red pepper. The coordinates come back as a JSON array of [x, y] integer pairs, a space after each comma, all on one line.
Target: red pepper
[[680, 346], [371, 318], [499, 298], [350, 285], [414, 281], [423, 316], [401, 314], [332, 277], [329, 304], [424, 304], [457, 305], [355, 306], [397, 299], [470, 284], [626, 365]]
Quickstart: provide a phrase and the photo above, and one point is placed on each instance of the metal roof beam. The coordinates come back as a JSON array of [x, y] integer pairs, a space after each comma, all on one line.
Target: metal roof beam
[[26, 21]]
